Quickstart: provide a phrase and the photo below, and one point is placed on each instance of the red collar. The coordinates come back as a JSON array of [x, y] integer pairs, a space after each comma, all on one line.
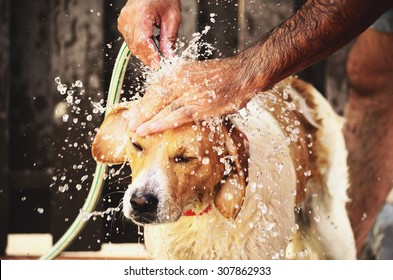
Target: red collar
[[190, 212]]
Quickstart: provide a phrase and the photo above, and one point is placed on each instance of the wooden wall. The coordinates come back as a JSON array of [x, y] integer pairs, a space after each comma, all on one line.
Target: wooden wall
[[4, 105]]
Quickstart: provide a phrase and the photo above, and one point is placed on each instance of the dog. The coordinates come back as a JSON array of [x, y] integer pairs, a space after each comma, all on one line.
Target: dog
[[268, 182]]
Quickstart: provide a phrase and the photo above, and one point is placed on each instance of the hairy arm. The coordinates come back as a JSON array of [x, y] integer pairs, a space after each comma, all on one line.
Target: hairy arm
[[218, 87], [319, 28]]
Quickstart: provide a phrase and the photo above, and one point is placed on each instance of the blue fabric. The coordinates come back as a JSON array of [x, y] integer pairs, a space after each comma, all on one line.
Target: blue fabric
[[380, 240], [384, 23], [385, 224]]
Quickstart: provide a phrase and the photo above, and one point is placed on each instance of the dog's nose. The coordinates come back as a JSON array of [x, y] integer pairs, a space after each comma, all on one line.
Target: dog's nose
[[144, 203]]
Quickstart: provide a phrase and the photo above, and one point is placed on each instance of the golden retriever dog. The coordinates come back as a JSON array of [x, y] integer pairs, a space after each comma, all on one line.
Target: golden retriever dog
[[268, 182]]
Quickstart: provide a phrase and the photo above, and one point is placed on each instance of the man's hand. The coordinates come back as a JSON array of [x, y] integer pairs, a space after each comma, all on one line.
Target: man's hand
[[192, 91], [200, 90], [136, 22]]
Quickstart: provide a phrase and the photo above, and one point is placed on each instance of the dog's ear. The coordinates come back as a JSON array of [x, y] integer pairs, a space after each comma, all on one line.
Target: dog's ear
[[230, 196], [110, 143]]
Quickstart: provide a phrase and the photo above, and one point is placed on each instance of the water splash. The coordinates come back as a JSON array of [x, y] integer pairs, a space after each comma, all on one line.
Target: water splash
[[85, 216], [279, 166], [190, 53]]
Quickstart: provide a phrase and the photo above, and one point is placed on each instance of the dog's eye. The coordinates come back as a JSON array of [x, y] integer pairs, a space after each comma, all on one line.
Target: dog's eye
[[182, 159], [137, 146]]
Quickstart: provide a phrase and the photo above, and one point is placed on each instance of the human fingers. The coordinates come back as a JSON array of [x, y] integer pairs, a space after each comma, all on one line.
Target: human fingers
[[141, 44], [167, 119], [146, 51], [169, 28], [137, 30], [145, 109]]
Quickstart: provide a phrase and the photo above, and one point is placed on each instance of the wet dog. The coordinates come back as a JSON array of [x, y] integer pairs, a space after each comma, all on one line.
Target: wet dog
[[268, 182]]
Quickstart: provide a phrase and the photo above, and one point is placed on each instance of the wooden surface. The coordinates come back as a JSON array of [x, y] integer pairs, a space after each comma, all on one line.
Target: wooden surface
[[4, 103]]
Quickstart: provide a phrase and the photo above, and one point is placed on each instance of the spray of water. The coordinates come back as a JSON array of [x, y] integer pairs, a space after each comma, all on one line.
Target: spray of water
[[187, 53]]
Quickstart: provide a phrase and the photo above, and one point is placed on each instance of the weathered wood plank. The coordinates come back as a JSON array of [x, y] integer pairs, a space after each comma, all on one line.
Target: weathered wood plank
[[29, 115], [261, 16], [4, 103], [221, 17]]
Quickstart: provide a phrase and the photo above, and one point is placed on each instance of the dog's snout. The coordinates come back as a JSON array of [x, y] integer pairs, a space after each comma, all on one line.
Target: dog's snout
[[146, 203]]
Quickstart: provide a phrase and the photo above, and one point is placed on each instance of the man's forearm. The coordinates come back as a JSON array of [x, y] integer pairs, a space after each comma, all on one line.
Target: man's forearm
[[319, 28]]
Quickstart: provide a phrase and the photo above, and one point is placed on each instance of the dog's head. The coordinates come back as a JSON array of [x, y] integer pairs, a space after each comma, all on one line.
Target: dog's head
[[187, 168]]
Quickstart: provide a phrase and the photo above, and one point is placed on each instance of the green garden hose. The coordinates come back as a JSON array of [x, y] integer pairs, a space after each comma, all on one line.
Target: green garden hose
[[99, 175]]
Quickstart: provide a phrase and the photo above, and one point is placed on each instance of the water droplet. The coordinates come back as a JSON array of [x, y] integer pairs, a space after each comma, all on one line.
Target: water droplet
[[252, 187], [78, 187], [307, 173], [228, 196], [78, 83], [62, 88], [98, 108], [69, 99], [291, 106], [279, 166], [212, 19], [65, 117], [84, 178], [207, 28], [270, 226], [84, 216], [205, 160], [40, 210], [63, 188], [262, 206], [275, 256]]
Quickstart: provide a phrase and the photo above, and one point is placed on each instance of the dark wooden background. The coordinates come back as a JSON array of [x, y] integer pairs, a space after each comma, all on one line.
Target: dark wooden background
[[43, 159]]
